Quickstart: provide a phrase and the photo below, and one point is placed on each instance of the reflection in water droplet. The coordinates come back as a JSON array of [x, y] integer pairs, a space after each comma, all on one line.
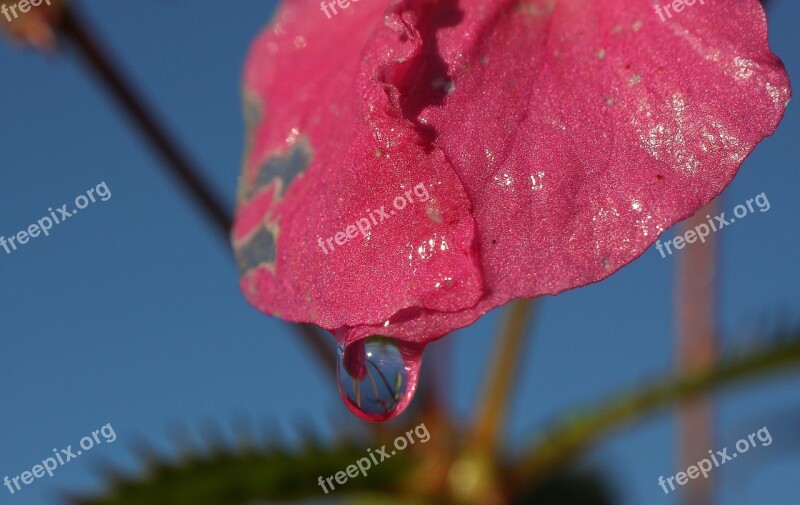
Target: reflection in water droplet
[[378, 376]]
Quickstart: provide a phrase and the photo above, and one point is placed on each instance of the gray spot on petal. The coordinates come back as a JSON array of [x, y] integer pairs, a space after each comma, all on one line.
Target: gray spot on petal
[[256, 250], [283, 169], [252, 112]]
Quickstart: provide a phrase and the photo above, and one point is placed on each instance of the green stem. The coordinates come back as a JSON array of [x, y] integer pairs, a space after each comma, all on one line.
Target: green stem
[[578, 432], [500, 377]]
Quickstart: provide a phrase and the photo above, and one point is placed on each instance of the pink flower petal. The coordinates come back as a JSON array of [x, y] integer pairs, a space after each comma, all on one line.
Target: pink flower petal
[[556, 142]]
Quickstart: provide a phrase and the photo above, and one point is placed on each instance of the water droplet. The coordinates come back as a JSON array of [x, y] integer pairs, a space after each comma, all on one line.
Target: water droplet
[[378, 376]]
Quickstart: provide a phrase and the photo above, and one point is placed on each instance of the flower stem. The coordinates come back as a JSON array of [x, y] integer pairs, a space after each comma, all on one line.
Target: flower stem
[[695, 304], [500, 377], [177, 161], [75, 30], [579, 431]]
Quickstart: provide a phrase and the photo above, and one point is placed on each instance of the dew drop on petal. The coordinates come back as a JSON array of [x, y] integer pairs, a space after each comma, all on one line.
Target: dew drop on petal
[[378, 376]]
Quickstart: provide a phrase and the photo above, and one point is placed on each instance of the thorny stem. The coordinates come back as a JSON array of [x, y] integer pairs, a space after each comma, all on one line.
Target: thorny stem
[[579, 431]]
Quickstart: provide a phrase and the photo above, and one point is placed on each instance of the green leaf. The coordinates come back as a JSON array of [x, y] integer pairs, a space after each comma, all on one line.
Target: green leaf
[[251, 475]]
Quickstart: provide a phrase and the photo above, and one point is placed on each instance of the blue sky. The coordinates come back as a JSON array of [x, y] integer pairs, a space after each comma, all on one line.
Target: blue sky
[[129, 312]]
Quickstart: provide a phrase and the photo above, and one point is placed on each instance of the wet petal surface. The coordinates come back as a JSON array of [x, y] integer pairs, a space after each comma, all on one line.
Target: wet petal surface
[[413, 165]]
